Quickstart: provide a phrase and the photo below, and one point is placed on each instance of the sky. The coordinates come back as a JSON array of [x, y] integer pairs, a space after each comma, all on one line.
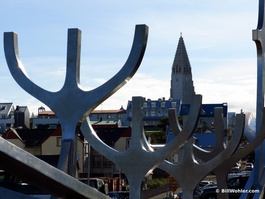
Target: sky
[[217, 35]]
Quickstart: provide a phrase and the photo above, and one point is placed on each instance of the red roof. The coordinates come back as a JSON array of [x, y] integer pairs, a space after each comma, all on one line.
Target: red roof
[[108, 111], [46, 113], [95, 112]]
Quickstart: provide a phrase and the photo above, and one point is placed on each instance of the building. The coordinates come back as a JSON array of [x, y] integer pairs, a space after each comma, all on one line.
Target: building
[[44, 143], [11, 117], [116, 137], [22, 118], [6, 116], [154, 110], [181, 76], [45, 118], [181, 93], [110, 115], [232, 122], [50, 119], [206, 116]]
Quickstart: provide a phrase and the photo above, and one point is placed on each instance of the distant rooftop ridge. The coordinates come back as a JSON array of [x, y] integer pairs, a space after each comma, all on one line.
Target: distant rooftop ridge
[[95, 112]]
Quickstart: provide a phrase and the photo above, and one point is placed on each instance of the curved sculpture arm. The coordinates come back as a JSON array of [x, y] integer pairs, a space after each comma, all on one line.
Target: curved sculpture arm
[[145, 143], [94, 97], [219, 132], [240, 119], [240, 153], [16, 67], [174, 122], [249, 133], [225, 167], [187, 131], [261, 15], [93, 139], [219, 128], [255, 142], [193, 114], [128, 70]]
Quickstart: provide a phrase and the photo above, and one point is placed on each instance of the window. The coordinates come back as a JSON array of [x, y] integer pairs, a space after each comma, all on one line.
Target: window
[[99, 116], [146, 113], [173, 104], [110, 116], [153, 113], [59, 141], [96, 161], [119, 116], [145, 104], [153, 104], [2, 108], [160, 113], [106, 163], [163, 104]]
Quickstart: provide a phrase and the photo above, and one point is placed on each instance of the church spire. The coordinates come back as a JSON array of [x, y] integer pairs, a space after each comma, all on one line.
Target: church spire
[[181, 77], [181, 62]]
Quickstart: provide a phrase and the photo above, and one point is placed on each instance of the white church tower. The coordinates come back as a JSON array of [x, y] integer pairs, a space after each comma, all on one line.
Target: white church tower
[[181, 78]]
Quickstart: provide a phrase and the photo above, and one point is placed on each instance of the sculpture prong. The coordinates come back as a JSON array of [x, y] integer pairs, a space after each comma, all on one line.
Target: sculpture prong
[[73, 58], [174, 122], [189, 166], [65, 101], [138, 160], [16, 67]]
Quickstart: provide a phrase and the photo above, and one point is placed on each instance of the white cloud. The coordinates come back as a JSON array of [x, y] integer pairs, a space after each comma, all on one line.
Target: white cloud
[[217, 36], [140, 85], [233, 82]]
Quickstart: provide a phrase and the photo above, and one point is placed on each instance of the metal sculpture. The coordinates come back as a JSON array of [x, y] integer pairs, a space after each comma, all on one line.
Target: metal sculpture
[[188, 166], [258, 36], [140, 159], [71, 104], [42, 175], [224, 168]]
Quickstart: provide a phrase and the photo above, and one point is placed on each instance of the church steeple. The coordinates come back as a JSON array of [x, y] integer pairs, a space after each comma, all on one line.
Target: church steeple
[[181, 77], [181, 62]]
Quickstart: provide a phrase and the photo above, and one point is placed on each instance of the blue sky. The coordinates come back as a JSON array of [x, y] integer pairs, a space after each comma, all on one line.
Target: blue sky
[[217, 34]]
